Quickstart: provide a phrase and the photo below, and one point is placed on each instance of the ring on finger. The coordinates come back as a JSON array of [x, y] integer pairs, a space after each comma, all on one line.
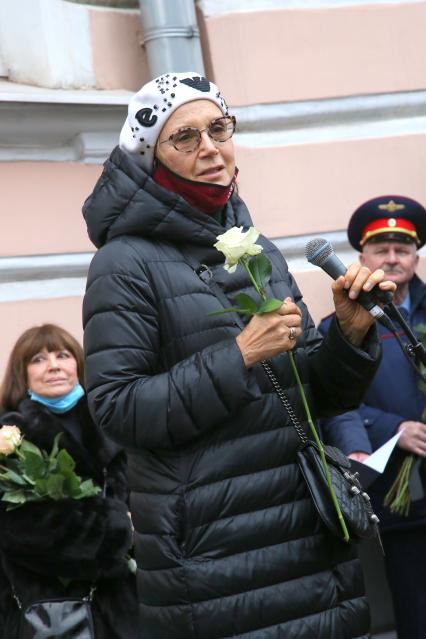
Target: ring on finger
[[292, 333]]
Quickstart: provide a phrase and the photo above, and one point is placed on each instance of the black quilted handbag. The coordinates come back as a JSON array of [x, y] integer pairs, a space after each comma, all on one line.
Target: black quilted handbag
[[354, 502], [65, 618], [360, 519]]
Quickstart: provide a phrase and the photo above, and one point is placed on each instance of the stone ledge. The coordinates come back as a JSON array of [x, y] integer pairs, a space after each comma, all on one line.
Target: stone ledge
[[26, 93], [57, 125], [212, 8]]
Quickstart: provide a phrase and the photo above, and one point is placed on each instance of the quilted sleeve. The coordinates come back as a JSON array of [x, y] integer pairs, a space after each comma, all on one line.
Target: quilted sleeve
[[138, 406]]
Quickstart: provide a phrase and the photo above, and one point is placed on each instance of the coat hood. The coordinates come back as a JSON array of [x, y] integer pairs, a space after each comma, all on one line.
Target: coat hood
[[127, 201]]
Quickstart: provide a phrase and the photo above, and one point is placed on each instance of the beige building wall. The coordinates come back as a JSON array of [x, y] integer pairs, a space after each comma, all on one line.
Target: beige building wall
[[330, 97]]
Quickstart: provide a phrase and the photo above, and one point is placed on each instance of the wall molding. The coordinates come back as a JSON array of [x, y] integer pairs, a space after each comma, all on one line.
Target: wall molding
[[331, 112], [44, 267], [86, 128], [15, 92], [211, 8], [64, 275], [58, 132], [42, 289]]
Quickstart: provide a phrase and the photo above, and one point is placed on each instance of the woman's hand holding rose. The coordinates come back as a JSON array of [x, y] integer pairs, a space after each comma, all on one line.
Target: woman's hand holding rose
[[269, 334]]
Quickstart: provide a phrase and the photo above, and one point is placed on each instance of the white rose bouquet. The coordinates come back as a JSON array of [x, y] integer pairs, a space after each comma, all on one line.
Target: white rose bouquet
[[240, 248], [29, 474]]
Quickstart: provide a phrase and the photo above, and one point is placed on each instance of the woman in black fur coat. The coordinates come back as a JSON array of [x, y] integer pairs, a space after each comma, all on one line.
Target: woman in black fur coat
[[55, 549]]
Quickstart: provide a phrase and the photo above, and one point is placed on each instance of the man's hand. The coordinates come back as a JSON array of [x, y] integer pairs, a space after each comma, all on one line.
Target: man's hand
[[413, 437], [354, 320], [358, 456]]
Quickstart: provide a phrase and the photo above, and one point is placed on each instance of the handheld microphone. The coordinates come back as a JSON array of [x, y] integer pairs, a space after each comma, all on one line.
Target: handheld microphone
[[320, 253]]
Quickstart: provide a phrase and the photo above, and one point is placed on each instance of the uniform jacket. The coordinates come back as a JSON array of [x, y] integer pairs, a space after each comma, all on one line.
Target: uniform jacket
[[227, 540], [394, 396], [83, 541]]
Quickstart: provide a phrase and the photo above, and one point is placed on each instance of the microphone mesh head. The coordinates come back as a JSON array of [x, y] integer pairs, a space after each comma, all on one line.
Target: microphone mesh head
[[318, 250]]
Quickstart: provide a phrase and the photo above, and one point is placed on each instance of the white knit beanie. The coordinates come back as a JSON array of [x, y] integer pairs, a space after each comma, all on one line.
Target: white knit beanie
[[151, 107]]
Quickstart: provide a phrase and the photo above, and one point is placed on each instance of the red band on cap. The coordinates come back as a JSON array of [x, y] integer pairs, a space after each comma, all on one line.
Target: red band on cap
[[389, 225]]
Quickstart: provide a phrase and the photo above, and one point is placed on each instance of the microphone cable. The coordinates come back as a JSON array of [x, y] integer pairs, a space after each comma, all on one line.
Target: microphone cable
[[413, 347]]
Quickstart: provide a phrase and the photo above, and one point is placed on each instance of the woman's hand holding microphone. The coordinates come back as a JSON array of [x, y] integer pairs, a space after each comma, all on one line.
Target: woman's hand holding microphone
[[272, 333]]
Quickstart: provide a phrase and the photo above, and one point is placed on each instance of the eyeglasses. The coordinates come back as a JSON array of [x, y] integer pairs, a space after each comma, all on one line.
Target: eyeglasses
[[188, 138]]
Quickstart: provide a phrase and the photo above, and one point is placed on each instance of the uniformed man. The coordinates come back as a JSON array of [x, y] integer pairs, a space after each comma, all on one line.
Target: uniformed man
[[388, 231]]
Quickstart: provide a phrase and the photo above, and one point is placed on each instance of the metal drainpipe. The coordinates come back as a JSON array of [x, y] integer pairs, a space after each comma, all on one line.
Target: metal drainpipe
[[171, 36]]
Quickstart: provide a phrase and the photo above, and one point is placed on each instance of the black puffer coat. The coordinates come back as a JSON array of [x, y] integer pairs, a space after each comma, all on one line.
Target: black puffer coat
[[227, 540], [83, 541]]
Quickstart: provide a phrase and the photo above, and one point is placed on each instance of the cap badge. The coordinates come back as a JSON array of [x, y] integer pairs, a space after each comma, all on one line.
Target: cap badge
[[145, 117], [391, 221], [200, 84], [391, 206]]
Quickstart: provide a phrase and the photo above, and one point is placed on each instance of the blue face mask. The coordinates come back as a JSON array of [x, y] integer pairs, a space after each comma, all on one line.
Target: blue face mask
[[60, 404]]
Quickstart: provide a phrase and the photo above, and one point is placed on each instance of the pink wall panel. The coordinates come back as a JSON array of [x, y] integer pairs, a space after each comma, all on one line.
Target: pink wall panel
[[119, 61], [307, 188], [41, 202], [313, 188], [300, 54]]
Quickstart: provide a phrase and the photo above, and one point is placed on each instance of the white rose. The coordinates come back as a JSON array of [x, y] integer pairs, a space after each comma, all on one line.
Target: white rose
[[10, 438], [235, 244]]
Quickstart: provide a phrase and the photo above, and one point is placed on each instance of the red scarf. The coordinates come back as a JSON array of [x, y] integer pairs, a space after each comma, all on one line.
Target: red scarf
[[206, 197]]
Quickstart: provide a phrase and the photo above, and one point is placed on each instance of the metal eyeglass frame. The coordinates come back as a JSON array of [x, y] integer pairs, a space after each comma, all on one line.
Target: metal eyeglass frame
[[197, 141]]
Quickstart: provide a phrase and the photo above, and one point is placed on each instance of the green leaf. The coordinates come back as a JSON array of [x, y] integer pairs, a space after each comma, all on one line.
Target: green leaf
[[15, 497], [54, 486], [28, 447], [271, 304], [40, 487], [246, 302], [72, 485], [10, 476], [66, 464], [55, 446], [33, 465], [88, 489], [6, 486], [13, 464], [261, 269]]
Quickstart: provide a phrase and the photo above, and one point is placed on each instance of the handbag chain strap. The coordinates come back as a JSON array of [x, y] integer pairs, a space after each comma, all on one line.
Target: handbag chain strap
[[16, 598], [89, 597], [285, 402]]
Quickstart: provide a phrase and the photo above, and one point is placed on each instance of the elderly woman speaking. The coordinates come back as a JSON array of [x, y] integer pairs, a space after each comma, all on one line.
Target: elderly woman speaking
[[228, 543]]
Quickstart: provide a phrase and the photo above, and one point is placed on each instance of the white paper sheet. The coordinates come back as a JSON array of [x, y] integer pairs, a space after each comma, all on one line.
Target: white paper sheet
[[380, 457]]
